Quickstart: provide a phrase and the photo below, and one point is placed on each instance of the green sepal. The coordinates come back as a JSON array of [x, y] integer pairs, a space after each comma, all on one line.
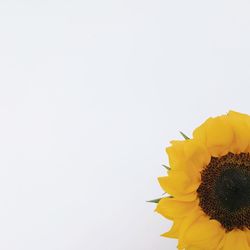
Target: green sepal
[[168, 168], [184, 136], [155, 200]]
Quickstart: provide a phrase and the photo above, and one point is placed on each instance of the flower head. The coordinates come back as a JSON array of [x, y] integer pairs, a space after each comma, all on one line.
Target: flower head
[[209, 184]]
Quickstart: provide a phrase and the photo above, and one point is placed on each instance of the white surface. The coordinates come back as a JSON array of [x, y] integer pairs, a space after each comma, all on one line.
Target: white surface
[[90, 94]]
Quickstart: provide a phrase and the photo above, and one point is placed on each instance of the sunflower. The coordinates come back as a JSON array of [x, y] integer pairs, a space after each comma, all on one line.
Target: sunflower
[[208, 181]]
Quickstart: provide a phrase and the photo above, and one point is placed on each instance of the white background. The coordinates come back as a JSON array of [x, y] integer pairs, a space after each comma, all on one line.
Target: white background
[[91, 92]]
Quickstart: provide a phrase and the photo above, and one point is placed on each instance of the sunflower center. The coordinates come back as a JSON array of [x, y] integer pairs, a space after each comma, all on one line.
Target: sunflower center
[[224, 191], [233, 189]]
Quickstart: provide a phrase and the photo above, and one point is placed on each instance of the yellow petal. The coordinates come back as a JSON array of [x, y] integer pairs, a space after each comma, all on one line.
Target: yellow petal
[[241, 130], [187, 159], [188, 220], [171, 208], [248, 236], [178, 183], [216, 134], [196, 155], [187, 197], [194, 248], [184, 154], [236, 239], [204, 234], [176, 154], [174, 231]]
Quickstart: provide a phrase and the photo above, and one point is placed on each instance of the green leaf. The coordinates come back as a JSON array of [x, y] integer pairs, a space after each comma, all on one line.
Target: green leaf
[[155, 200], [184, 136], [168, 168]]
